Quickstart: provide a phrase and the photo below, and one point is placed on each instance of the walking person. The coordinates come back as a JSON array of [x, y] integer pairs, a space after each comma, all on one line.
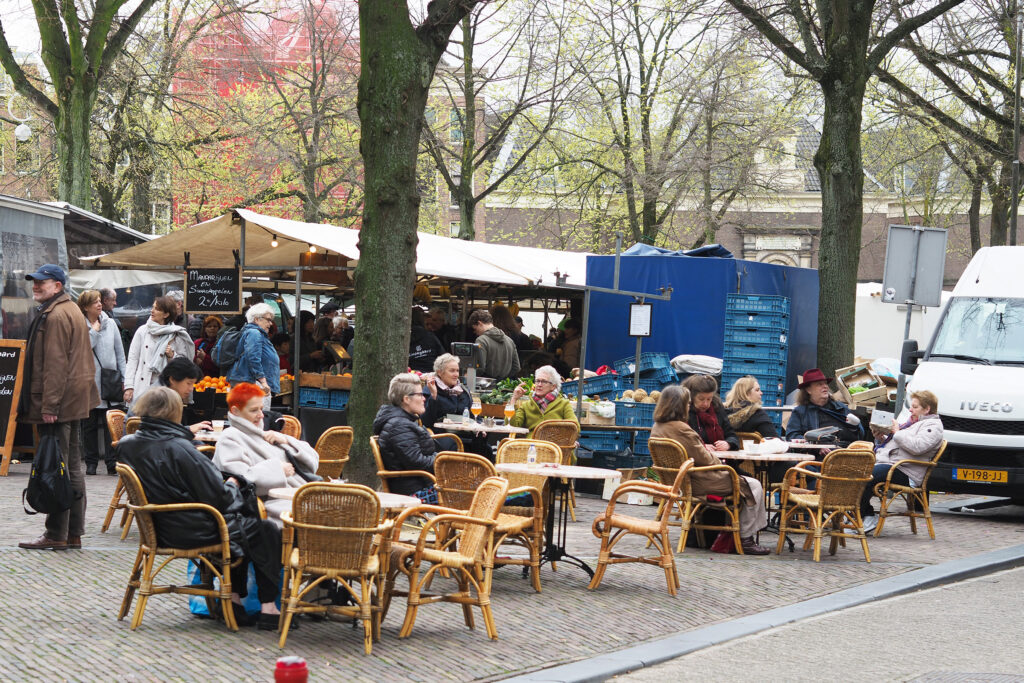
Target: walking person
[[108, 354], [256, 360], [59, 390], [155, 343]]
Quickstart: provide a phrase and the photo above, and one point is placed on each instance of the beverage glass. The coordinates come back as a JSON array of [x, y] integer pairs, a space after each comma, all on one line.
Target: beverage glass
[[476, 407], [218, 425], [510, 410]]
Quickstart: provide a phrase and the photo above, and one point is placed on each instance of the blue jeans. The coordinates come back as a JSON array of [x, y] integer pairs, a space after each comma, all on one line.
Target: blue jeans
[[878, 475]]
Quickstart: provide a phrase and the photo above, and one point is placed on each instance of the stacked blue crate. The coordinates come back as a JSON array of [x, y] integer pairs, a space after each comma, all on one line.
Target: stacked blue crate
[[604, 386], [655, 368], [757, 343]]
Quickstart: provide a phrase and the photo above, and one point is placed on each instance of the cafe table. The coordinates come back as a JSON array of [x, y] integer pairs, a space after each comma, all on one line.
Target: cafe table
[[388, 501], [558, 490], [206, 436], [480, 427], [761, 461]]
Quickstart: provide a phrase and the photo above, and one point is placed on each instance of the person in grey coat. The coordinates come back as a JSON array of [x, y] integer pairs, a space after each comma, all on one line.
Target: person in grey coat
[[108, 353]]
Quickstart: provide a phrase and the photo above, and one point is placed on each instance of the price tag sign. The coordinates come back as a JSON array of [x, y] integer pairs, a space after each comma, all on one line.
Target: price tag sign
[[640, 320], [213, 290]]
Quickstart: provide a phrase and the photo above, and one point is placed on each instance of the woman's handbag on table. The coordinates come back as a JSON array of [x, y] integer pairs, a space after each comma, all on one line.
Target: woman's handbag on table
[[111, 383]]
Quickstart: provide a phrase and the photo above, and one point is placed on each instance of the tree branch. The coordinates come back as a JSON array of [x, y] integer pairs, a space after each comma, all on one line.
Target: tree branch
[[902, 30], [775, 37]]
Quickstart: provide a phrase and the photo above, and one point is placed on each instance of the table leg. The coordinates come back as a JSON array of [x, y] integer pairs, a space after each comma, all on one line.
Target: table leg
[[554, 548]]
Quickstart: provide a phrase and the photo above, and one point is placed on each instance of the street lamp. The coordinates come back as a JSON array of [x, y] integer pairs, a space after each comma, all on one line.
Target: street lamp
[[22, 132]]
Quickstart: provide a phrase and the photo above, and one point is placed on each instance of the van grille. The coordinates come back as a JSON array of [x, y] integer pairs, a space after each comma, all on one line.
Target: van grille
[[970, 424]]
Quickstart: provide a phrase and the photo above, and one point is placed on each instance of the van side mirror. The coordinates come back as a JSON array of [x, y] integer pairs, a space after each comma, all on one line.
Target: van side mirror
[[910, 357]]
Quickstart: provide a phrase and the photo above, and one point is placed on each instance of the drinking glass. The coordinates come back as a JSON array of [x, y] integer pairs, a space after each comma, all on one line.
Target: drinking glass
[[476, 407]]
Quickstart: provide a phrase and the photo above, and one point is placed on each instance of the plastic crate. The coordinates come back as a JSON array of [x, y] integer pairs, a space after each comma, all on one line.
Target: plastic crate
[[771, 384], [320, 398], [338, 399], [613, 460], [640, 446], [757, 368], [752, 351], [651, 360], [775, 322], [759, 303], [602, 441], [663, 375], [650, 385], [630, 414], [755, 335], [602, 385]]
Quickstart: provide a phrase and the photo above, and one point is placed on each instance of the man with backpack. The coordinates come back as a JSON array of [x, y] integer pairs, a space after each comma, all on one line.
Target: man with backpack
[[57, 392]]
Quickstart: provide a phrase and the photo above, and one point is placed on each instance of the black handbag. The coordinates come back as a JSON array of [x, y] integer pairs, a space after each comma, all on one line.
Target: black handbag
[[49, 485], [111, 383], [299, 467]]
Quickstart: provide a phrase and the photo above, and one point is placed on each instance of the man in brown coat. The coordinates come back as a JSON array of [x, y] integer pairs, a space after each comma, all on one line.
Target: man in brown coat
[[59, 389]]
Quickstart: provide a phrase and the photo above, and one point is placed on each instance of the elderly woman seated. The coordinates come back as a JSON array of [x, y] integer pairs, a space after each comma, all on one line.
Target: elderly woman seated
[[266, 458], [173, 471], [545, 403], [404, 443], [670, 423], [446, 395], [816, 408], [917, 439]]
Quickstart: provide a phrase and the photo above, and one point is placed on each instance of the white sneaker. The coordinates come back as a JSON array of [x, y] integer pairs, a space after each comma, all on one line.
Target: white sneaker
[[870, 522]]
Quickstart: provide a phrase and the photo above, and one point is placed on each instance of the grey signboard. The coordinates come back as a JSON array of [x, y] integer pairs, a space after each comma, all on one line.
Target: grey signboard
[[915, 260]]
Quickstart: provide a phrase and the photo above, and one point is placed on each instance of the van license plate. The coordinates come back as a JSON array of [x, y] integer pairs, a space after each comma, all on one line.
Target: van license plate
[[988, 476]]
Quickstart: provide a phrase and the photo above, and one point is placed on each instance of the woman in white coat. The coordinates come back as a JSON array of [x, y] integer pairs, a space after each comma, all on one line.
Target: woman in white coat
[[155, 343], [268, 459], [918, 439]]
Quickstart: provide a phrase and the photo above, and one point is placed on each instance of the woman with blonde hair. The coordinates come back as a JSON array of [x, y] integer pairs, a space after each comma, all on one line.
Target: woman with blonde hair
[[743, 405]]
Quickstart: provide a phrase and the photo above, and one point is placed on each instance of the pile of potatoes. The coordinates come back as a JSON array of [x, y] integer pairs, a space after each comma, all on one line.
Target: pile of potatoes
[[640, 396]]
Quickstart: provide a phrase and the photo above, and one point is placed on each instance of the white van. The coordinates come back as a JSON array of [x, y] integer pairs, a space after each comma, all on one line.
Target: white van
[[975, 366]]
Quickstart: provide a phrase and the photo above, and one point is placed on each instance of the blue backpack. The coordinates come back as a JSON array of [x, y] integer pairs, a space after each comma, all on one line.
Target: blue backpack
[[225, 353]]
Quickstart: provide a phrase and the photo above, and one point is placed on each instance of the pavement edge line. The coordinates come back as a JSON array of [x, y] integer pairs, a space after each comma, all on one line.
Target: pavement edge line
[[604, 666]]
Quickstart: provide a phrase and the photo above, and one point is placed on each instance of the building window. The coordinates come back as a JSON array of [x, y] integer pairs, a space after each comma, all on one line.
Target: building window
[[453, 229], [453, 197], [161, 217], [26, 156], [455, 126], [161, 179]]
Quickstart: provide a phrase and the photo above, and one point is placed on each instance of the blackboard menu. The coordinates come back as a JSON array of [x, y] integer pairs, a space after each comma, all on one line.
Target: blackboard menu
[[12, 362], [213, 290]]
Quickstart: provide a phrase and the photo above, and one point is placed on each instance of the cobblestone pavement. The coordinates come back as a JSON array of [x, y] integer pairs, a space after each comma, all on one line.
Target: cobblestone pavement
[[59, 616]]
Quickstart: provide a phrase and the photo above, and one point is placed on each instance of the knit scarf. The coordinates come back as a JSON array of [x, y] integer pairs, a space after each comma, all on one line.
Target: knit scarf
[[162, 336], [543, 401], [442, 388], [708, 421]]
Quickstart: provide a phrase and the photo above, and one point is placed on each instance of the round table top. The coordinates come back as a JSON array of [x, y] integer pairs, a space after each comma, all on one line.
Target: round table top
[[211, 437], [387, 500], [762, 457], [552, 471], [480, 427], [803, 445]]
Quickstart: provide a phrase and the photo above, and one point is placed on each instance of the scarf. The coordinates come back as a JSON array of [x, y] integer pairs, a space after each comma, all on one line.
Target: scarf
[[709, 427], [443, 388], [544, 401], [252, 439], [162, 336]]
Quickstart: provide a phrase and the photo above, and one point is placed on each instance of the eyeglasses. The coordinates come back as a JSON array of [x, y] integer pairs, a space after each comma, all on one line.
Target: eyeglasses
[[420, 394], [543, 381]]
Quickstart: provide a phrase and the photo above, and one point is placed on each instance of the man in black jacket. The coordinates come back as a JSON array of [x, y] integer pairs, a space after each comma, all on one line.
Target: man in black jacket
[[173, 471]]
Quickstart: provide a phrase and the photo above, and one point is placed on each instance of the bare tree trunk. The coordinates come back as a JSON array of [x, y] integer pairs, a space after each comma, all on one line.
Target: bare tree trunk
[[974, 213], [74, 181]]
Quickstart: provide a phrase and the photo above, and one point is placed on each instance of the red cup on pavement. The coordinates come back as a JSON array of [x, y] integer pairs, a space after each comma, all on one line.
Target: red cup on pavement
[[291, 669]]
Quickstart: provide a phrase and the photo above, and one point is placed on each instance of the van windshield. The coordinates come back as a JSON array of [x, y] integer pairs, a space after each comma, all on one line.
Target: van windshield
[[988, 330]]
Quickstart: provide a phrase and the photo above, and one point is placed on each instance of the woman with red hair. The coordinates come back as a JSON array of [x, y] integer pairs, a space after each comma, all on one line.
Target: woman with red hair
[[266, 458]]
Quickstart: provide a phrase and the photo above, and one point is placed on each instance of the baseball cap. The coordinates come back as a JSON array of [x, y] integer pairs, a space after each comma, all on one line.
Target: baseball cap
[[49, 271]]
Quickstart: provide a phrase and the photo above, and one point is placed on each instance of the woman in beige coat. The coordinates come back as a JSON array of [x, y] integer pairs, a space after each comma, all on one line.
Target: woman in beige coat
[[670, 423]]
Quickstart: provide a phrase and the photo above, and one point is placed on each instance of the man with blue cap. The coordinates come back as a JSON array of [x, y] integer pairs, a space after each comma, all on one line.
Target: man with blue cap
[[59, 389]]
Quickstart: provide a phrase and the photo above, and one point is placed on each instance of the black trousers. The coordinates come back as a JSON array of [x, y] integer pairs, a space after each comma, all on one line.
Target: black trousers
[[96, 438], [262, 547]]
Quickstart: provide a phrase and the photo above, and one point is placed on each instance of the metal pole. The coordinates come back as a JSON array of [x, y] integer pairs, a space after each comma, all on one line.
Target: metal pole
[[901, 385], [296, 342], [618, 254], [583, 353], [1015, 194]]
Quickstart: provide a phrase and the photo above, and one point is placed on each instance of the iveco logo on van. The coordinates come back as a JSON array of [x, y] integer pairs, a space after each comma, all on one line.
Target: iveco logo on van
[[986, 406]]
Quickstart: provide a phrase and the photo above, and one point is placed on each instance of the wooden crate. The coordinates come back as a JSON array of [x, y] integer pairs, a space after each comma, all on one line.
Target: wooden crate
[[337, 382], [313, 380]]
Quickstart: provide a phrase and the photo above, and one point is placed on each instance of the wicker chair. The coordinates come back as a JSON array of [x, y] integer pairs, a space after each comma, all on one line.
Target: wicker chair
[[611, 527], [386, 475], [333, 534], [131, 425], [563, 433], [914, 496], [291, 426], [458, 477], [516, 451], [214, 560], [668, 456], [116, 425], [332, 447], [470, 564], [834, 507]]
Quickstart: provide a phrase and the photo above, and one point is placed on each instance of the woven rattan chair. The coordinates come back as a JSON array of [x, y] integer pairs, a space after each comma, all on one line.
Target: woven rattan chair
[[131, 425], [915, 497], [387, 475], [458, 477], [214, 560], [516, 451], [564, 434], [834, 507], [469, 564], [115, 425], [291, 426], [332, 447], [611, 527], [668, 456], [333, 533]]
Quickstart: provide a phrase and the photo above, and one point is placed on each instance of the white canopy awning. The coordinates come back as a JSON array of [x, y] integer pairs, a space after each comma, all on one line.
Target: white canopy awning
[[211, 245]]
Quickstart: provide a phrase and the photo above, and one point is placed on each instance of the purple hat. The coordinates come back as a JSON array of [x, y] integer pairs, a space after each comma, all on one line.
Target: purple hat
[[813, 375]]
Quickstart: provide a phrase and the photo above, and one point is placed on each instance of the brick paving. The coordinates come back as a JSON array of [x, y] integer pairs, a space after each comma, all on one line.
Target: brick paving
[[59, 616]]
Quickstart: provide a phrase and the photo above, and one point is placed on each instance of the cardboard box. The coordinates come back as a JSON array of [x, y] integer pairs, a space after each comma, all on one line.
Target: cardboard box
[[860, 375]]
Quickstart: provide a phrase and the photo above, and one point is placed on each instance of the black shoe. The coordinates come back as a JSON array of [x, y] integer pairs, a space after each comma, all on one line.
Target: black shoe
[[269, 622], [111, 470], [242, 618], [90, 468]]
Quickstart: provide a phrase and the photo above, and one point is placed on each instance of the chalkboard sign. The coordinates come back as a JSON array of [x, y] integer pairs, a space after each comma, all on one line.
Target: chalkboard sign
[[12, 364], [213, 290]]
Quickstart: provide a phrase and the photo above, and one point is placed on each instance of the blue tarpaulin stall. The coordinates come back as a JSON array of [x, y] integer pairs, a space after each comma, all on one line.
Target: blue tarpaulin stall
[[693, 322]]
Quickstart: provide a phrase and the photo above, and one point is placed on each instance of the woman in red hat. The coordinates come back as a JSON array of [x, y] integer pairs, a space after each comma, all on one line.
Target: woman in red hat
[[816, 408]]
